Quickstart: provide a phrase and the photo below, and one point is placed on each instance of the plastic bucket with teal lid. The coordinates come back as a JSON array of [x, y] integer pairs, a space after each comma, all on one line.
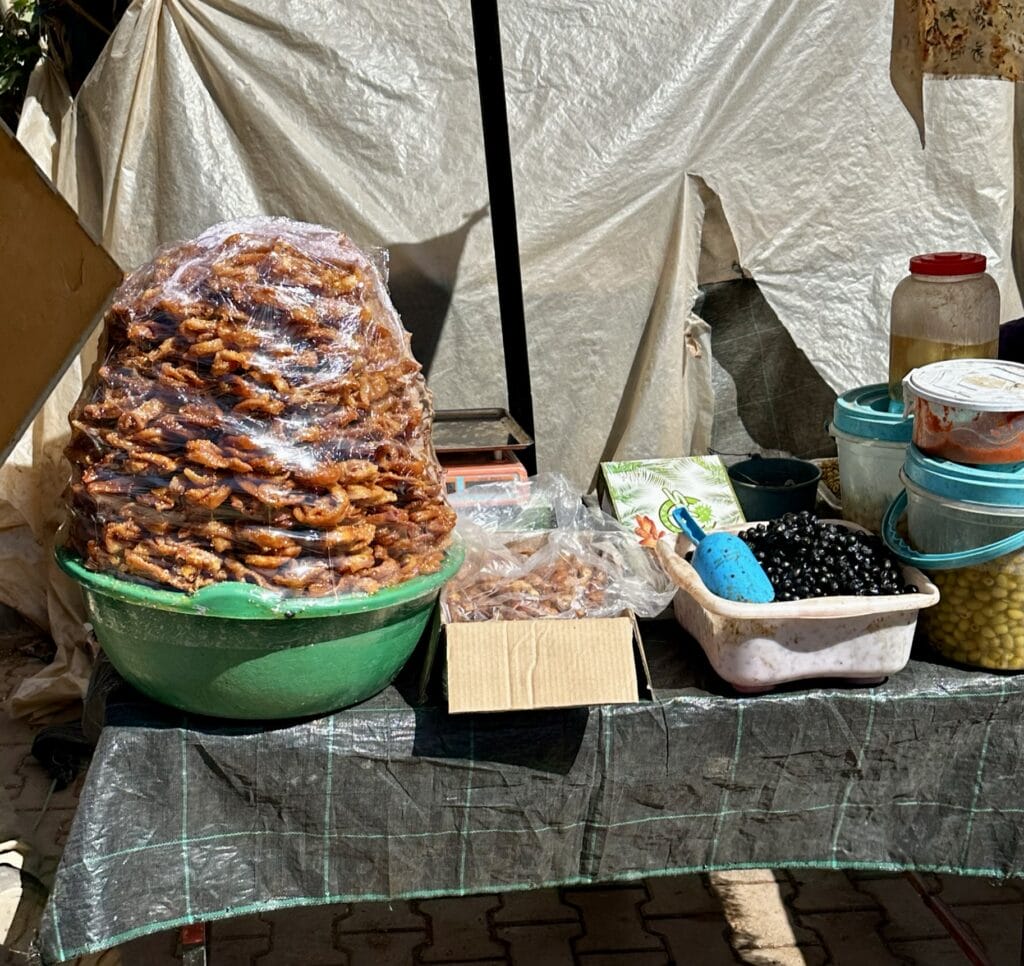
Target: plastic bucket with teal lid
[[234, 650], [871, 440], [965, 528]]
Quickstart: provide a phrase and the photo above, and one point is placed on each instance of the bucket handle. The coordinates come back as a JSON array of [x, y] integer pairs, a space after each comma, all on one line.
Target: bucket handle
[[941, 561]]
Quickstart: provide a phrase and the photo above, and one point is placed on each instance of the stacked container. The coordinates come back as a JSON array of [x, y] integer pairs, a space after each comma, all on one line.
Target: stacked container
[[969, 410], [946, 308], [965, 521], [872, 442]]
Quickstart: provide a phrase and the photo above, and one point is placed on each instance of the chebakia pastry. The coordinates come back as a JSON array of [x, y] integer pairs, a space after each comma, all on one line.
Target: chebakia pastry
[[257, 415], [552, 584]]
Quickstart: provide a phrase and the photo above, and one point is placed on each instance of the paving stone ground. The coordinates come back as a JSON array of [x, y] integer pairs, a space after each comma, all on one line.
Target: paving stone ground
[[772, 918]]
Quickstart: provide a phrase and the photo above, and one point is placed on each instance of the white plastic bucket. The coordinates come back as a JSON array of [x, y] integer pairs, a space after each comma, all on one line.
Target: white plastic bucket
[[872, 435], [869, 476]]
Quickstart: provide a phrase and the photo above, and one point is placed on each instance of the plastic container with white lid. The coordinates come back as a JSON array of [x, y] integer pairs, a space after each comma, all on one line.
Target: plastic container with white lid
[[968, 410], [872, 443], [965, 528], [946, 308]]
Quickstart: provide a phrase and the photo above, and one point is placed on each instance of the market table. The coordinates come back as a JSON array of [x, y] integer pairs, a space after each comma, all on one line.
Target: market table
[[184, 819]]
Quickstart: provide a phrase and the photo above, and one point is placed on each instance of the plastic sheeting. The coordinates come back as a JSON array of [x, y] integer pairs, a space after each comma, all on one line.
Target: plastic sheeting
[[329, 113], [963, 39], [47, 102], [31, 510], [366, 118], [186, 819], [371, 122], [786, 111]]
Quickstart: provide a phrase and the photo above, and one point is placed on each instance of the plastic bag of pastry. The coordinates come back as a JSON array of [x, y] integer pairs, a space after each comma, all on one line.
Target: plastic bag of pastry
[[257, 416], [533, 550]]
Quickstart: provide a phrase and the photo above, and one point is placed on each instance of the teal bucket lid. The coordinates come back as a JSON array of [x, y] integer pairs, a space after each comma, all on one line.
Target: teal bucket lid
[[998, 485], [865, 411]]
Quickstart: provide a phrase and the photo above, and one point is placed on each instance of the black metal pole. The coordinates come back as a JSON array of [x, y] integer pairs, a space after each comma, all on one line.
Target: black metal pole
[[498, 155]]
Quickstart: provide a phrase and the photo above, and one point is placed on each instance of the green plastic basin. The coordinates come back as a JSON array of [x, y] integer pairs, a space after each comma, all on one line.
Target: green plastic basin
[[234, 650]]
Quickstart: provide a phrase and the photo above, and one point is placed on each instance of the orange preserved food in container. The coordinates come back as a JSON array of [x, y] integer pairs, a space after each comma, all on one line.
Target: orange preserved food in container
[[968, 410]]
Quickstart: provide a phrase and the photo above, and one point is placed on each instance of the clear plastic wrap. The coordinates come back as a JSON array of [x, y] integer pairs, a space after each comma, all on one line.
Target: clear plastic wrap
[[257, 415], [533, 550]]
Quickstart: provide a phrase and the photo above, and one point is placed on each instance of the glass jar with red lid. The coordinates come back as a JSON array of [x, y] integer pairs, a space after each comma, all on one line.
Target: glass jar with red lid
[[946, 308]]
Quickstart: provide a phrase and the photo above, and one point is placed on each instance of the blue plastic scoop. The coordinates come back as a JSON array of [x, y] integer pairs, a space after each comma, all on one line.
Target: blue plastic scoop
[[725, 563]]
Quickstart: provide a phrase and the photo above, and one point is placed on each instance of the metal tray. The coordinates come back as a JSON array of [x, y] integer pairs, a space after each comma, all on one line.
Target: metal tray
[[477, 431]]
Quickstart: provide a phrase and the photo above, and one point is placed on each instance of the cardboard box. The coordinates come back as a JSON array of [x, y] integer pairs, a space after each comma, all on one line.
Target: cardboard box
[[56, 280], [519, 665], [642, 493], [530, 664]]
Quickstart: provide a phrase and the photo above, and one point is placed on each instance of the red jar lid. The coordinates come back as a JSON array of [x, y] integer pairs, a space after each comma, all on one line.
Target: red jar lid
[[948, 263]]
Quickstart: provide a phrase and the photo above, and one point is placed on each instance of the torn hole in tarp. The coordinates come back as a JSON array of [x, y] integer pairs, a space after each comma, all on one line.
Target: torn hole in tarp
[[768, 397]]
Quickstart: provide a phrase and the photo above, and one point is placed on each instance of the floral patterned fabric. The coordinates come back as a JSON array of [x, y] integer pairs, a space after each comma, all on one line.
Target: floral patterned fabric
[[954, 38]]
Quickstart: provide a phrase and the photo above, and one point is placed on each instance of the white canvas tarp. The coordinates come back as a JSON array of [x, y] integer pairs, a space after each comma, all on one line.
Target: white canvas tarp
[[366, 118]]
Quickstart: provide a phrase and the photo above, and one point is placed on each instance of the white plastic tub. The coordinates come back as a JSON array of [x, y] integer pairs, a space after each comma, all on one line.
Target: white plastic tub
[[968, 410], [871, 440], [869, 477], [756, 647]]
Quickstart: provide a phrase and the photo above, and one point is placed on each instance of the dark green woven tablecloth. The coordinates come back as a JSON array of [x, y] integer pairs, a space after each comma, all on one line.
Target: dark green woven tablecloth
[[184, 819]]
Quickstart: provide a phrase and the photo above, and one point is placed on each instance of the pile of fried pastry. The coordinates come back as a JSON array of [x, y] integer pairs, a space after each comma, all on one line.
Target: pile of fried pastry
[[257, 415], [545, 581]]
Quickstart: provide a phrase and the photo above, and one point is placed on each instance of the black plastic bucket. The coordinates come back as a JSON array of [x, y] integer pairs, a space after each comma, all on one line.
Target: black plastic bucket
[[767, 487]]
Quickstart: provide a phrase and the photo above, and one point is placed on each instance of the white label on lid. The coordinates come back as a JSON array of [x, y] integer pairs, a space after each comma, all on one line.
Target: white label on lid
[[988, 385]]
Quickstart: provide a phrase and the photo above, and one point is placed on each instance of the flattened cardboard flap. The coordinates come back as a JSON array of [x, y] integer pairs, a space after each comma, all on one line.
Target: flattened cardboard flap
[[519, 665], [54, 280]]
